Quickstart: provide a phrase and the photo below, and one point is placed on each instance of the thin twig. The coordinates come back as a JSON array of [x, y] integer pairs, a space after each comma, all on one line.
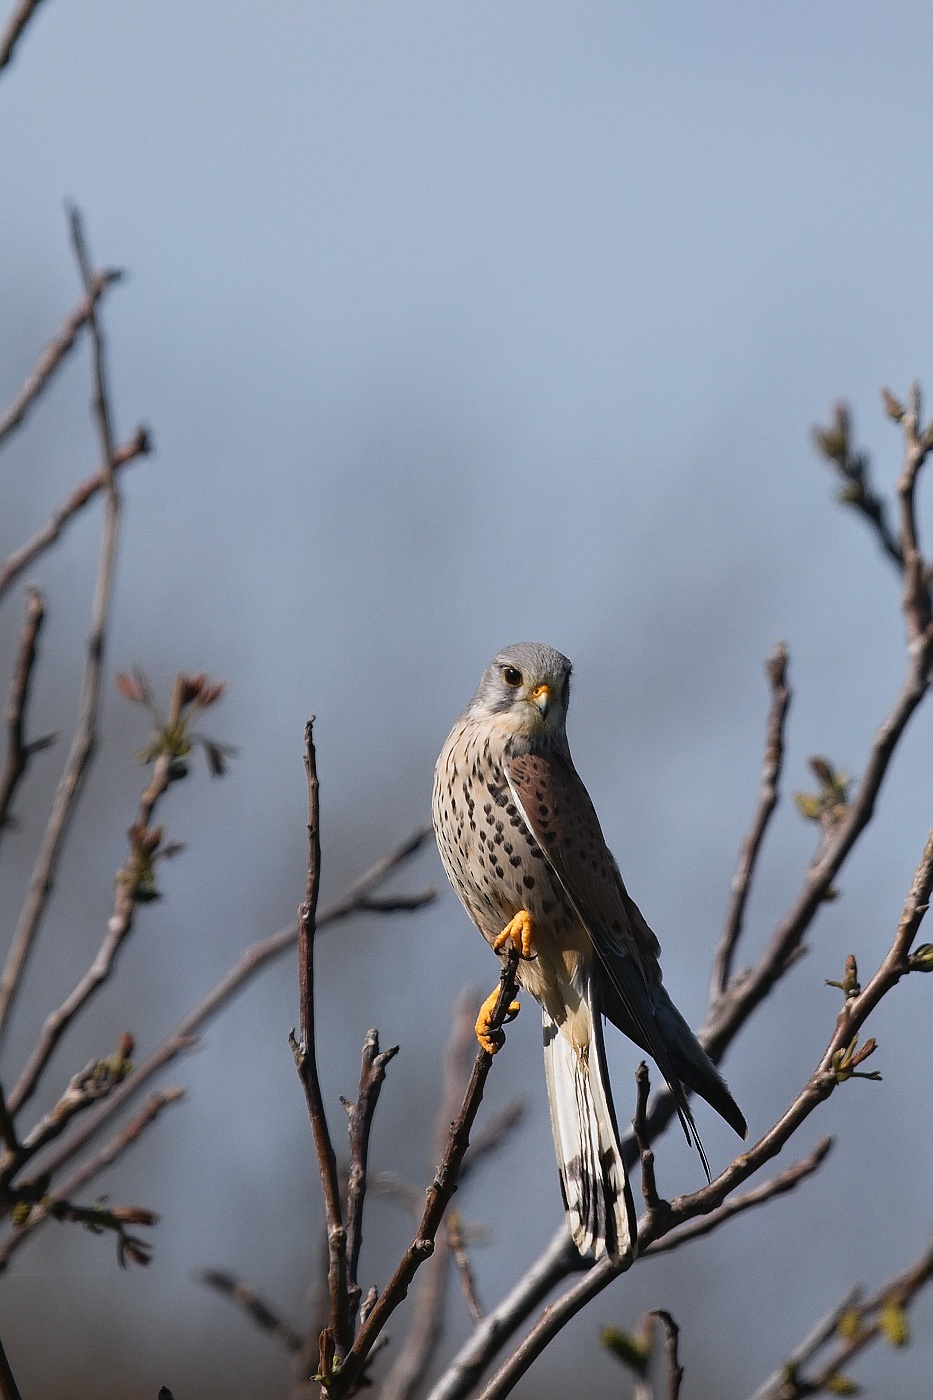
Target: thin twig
[[438, 1198], [427, 1322], [57, 349], [97, 1218], [778, 1186], [305, 1053], [776, 668], [458, 1249], [917, 444], [18, 749], [675, 1372], [657, 1209], [120, 922], [816, 1338], [857, 491], [88, 1086], [83, 744], [118, 1144], [854, 1325], [560, 1259], [264, 951], [255, 1307], [372, 1077], [14, 29], [420, 1344], [138, 446]]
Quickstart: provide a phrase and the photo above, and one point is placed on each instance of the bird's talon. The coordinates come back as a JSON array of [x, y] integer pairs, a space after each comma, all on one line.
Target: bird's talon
[[492, 1040], [519, 932], [514, 1008]]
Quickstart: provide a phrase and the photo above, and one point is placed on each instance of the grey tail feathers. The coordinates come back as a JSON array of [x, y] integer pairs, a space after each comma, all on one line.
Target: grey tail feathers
[[594, 1183], [691, 1064]]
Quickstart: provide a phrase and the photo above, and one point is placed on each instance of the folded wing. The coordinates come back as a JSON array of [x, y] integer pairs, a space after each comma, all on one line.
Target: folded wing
[[559, 815]]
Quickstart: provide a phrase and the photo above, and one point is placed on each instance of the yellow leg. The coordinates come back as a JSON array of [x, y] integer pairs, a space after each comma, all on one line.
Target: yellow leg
[[518, 932], [490, 1041]]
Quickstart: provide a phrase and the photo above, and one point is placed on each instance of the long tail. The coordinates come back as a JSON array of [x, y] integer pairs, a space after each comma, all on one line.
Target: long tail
[[594, 1184], [690, 1062]]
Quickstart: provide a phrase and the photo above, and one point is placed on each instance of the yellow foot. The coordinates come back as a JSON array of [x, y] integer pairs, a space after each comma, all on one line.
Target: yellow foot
[[518, 932], [491, 1040]]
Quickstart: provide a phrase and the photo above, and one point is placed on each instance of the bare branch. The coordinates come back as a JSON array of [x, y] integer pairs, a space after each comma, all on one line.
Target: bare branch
[[98, 1218], [853, 1325], [778, 1185], [438, 1198], [131, 880], [358, 897], [857, 491], [560, 1259], [427, 1323], [458, 1249], [19, 751], [770, 776], [124, 1139], [13, 32], [917, 444], [675, 1372], [816, 1338], [115, 1148], [305, 1054], [424, 1334], [658, 1210], [246, 1297], [85, 737], [138, 446], [87, 1087], [740, 1001], [57, 349], [249, 965], [372, 1077]]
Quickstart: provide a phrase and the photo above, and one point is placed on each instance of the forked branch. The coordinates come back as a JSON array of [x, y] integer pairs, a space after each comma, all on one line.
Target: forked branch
[[343, 1381], [305, 1054]]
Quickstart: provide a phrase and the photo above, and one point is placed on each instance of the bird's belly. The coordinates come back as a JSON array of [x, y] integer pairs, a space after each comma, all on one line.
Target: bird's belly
[[493, 891]]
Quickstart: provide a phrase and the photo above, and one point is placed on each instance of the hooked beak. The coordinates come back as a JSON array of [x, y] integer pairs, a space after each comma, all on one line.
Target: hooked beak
[[542, 698]]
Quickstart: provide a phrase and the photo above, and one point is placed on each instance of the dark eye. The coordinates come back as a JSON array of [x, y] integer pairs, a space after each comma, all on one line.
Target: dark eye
[[511, 676]]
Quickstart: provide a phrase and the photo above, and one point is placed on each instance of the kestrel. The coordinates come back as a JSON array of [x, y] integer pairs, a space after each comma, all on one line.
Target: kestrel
[[522, 846]]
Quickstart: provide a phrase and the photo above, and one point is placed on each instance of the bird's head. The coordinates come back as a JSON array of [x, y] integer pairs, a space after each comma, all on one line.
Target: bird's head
[[528, 685]]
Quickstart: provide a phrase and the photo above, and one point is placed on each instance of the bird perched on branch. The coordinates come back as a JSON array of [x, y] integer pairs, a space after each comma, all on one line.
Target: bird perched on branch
[[523, 848]]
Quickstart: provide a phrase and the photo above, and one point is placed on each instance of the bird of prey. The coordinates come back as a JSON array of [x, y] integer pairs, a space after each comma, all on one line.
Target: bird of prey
[[522, 846]]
